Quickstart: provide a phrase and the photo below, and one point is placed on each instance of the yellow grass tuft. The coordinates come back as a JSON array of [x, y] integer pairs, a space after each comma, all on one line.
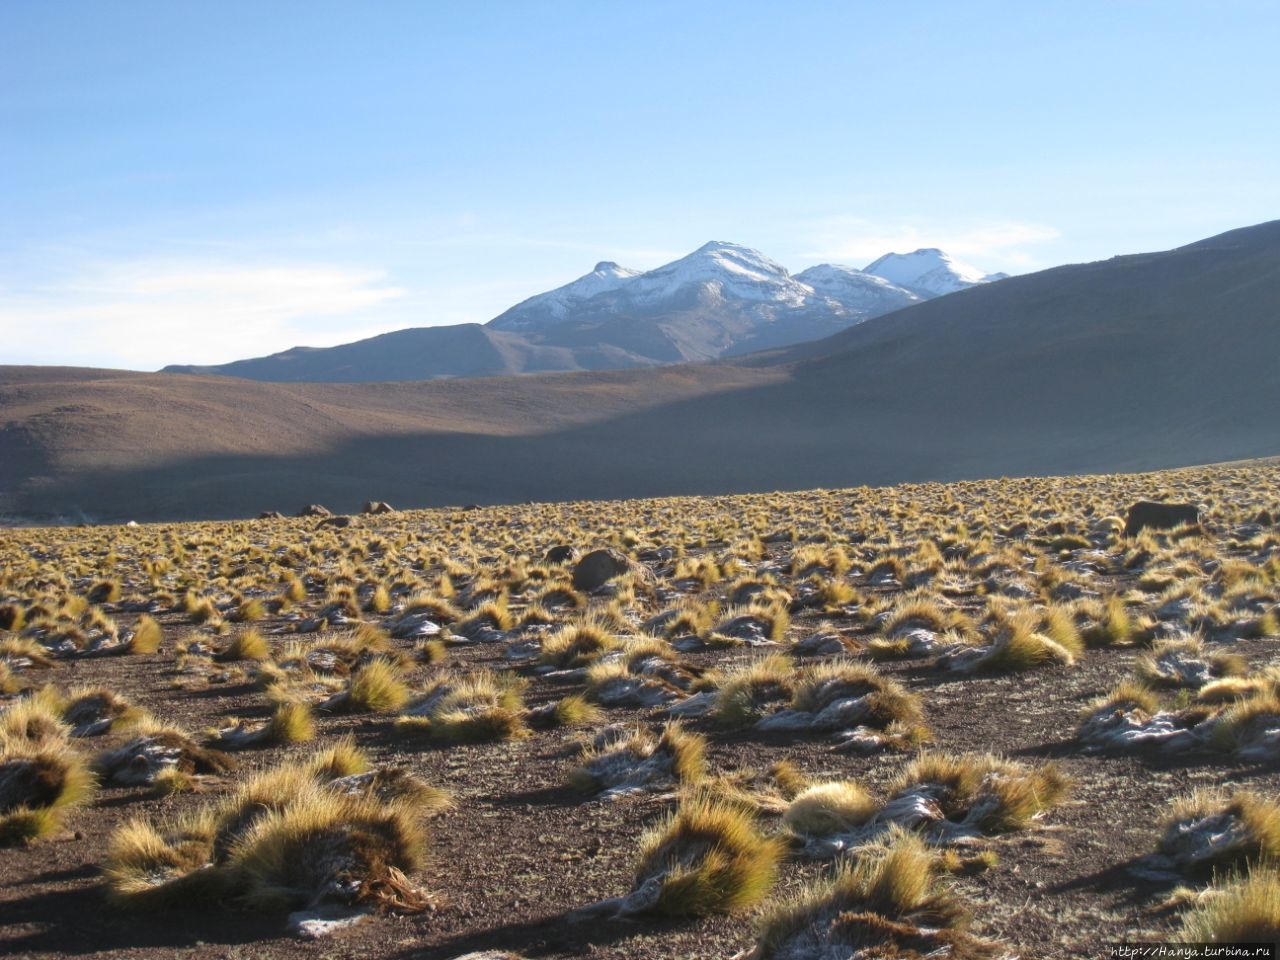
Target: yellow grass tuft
[[147, 636], [1247, 911], [710, 857]]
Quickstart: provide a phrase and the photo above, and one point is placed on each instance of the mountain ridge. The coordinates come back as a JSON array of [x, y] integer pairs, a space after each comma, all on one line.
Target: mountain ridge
[[723, 299]]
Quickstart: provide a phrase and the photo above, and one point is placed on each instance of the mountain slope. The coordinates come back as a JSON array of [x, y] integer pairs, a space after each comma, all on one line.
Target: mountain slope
[[1139, 362]]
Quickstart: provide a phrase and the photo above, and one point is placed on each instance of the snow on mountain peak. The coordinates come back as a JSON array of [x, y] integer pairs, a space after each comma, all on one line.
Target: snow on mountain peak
[[555, 305], [928, 272], [731, 272], [856, 288], [738, 272]]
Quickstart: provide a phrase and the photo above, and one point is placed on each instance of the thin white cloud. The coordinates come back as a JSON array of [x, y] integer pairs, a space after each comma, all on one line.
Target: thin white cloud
[[857, 241], [148, 313]]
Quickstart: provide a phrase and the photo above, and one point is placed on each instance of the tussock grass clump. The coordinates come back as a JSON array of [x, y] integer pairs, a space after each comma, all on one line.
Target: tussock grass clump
[[38, 783], [757, 623], [829, 808], [489, 615], [153, 868], [431, 651], [1211, 830], [744, 693], [249, 644], [146, 637], [1266, 682], [21, 652], [984, 793], [708, 857], [890, 905], [1016, 644], [559, 596], [574, 711], [1115, 627], [200, 610], [249, 610], [920, 611], [845, 695], [12, 616], [689, 618], [577, 645], [638, 761], [769, 791], [1246, 911], [94, 710], [35, 720], [163, 757], [320, 834], [374, 688], [1251, 728], [484, 706], [645, 675], [1186, 663], [438, 608], [332, 848], [104, 591], [291, 722], [1126, 695]]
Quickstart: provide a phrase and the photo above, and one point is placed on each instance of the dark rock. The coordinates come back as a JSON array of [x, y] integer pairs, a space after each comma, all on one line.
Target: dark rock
[[560, 553], [315, 510], [375, 507], [271, 515], [1160, 516], [599, 567], [657, 555], [336, 522]]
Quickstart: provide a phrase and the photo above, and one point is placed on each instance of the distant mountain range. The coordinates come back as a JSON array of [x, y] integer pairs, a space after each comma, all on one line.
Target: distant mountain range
[[1138, 362], [721, 300]]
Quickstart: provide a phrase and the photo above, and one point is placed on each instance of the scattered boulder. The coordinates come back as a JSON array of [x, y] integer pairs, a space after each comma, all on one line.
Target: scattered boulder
[[1160, 516], [599, 567], [271, 515], [375, 507], [315, 510], [560, 553], [334, 522]]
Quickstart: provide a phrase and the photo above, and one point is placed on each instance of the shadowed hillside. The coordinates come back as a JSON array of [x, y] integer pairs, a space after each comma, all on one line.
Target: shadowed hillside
[[1139, 362]]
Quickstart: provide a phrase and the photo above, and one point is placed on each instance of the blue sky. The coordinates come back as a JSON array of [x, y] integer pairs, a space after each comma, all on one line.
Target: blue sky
[[200, 182]]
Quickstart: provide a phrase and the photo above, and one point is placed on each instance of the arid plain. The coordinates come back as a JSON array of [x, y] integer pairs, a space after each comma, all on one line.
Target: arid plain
[[975, 717]]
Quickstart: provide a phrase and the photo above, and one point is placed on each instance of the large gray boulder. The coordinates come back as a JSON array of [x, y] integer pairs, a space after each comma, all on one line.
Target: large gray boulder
[[1160, 516], [599, 567]]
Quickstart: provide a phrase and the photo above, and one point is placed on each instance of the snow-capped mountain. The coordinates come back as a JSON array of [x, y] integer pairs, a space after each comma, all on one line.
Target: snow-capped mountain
[[721, 300], [856, 289], [736, 272], [554, 305], [928, 272]]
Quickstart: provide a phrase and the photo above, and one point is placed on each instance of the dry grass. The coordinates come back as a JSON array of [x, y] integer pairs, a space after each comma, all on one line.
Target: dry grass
[[890, 905], [829, 808], [1246, 911], [38, 784], [708, 857], [993, 794]]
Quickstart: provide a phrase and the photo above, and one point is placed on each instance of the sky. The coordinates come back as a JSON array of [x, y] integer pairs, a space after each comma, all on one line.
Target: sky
[[197, 182]]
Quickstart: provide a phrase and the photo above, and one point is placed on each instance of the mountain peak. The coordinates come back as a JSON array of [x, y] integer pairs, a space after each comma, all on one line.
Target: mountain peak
[[928, 272], [554, 305]]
